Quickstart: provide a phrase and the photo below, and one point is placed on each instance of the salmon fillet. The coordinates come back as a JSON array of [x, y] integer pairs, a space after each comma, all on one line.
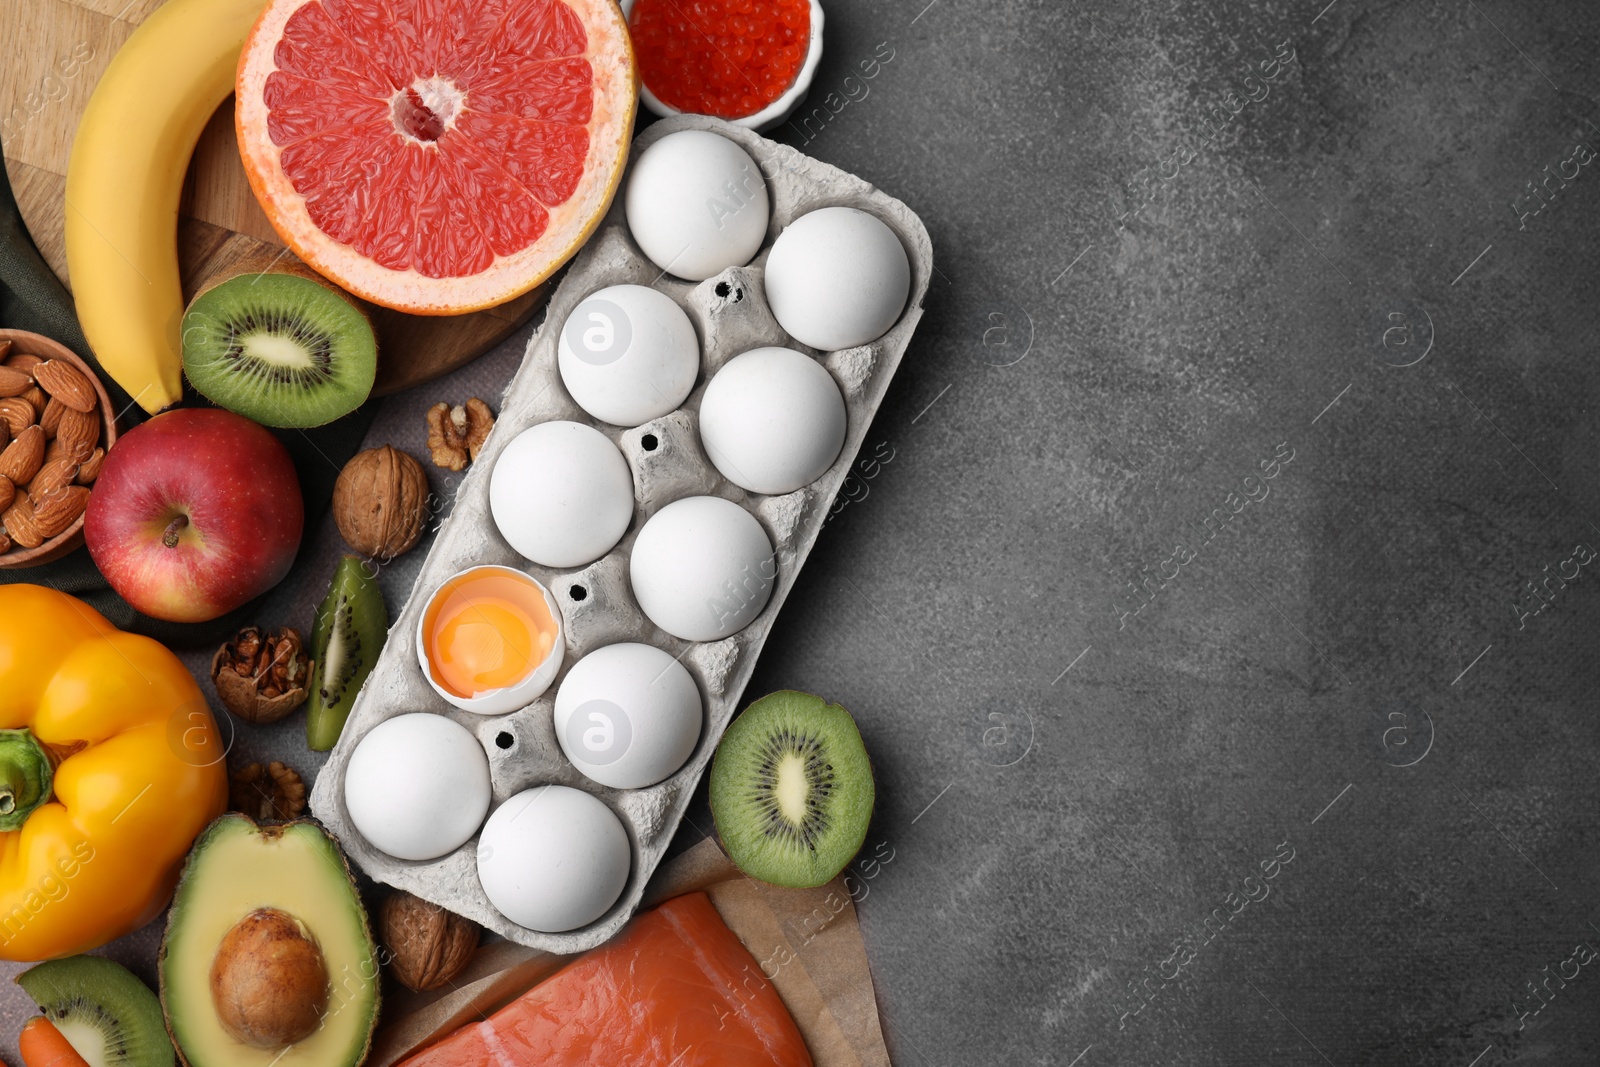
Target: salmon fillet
[[677, 989]]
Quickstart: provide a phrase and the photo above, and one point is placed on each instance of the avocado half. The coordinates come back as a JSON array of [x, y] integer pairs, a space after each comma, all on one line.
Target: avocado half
[[236, 868]]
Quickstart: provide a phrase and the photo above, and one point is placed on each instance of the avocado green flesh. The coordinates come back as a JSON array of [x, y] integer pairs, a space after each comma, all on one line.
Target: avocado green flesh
[[106, 1014], [792, 790], [234, 869]]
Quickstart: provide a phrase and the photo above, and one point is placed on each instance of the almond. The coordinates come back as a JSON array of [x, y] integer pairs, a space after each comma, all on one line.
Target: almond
[[8, 493], [56, 474], [90, 470], [5, 543], [67, 384], [5, 434], [78, 432], [58, 450], [57, 510], [36, 400], [17, 414], [5, 350], [20, 523], [14, 382], [51, 419], [24, 362], [23, 457]]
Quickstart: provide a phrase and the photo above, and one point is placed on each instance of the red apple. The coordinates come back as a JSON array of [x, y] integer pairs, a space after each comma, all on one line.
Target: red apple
[[195, 513]]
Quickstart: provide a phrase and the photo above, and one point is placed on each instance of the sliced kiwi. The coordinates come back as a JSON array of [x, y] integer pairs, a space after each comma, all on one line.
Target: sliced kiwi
[[350, 630], [792, 790], [284, 348], [108, 1015]]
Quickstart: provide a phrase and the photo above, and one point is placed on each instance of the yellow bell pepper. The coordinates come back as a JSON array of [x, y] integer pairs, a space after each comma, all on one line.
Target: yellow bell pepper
[[110, 765]]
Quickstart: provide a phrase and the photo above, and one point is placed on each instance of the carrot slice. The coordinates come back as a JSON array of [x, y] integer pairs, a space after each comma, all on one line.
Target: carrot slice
[[42, 1045]]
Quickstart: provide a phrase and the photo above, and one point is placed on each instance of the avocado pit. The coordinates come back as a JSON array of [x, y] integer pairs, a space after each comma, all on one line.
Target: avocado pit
[[269, 980]]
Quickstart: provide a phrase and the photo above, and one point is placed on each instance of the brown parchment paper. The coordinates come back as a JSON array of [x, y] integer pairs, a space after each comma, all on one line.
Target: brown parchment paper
[[807, 941]]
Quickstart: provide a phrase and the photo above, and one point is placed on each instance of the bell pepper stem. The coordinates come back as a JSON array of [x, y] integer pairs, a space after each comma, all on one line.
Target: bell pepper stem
[[25, 777]]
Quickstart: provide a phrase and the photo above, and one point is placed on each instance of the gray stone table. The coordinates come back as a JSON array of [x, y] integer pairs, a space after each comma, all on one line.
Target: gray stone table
[[1219, 611]]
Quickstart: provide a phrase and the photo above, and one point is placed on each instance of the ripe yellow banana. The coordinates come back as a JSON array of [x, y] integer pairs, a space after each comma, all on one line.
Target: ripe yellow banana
[[124, 181]]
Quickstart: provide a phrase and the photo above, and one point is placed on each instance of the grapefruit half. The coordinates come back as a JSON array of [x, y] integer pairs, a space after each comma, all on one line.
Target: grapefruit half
[[436, 156]]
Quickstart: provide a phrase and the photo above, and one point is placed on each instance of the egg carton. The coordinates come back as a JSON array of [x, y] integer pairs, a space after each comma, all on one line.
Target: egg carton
[[668, 462]]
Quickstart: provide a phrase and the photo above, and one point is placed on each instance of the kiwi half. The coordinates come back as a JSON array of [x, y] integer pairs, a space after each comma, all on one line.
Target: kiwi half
[[350, 630], [792, 790], [284, 348], [108, 1015]]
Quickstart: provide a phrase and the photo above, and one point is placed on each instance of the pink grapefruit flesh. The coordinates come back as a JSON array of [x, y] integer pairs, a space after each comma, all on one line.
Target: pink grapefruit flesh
[[436, 156]]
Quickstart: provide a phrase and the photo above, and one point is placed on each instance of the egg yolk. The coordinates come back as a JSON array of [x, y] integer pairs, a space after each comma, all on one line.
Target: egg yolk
[[487, 630]]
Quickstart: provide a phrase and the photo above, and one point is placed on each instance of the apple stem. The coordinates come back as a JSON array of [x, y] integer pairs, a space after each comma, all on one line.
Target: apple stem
[[170, 538]]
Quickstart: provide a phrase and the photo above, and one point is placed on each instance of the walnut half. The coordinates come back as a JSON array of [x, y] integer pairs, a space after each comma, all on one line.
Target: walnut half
[[456, 434]]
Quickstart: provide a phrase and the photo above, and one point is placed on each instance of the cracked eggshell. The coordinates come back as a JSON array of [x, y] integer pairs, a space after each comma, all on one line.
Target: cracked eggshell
[[512, 697]]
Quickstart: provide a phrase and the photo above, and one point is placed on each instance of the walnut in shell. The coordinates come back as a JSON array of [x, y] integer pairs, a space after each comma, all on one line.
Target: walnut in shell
[[428, 945], [380, 502]]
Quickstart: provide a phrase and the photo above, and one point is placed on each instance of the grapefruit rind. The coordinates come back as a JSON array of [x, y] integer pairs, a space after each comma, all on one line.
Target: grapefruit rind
[[615, 81]]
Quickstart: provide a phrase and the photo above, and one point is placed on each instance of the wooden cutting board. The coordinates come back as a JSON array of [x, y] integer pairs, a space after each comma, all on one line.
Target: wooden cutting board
[[51, 54]]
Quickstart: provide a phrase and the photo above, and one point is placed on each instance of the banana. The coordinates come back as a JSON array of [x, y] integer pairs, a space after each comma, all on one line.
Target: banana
[[124, 181]]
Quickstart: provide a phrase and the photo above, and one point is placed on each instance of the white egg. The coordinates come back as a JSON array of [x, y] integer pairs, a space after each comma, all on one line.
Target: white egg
[[417, 786], [837, 278], [553, 858], [561, 494], [696, 204], [628, 715], [702, 568], [628, 354], [772, 420]]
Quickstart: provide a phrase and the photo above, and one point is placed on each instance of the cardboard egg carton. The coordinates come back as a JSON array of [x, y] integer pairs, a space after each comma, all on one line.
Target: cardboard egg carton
[[731, 316]]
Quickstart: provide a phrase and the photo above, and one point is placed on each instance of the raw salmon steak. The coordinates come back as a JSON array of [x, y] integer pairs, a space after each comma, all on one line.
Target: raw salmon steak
[[677, 989]]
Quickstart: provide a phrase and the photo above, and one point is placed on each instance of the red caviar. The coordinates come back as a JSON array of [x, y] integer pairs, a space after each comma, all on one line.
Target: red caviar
[[728, 58]]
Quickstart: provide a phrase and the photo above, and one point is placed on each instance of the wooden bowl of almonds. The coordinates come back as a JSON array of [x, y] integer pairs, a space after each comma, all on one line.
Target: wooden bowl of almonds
[[56, 425]]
